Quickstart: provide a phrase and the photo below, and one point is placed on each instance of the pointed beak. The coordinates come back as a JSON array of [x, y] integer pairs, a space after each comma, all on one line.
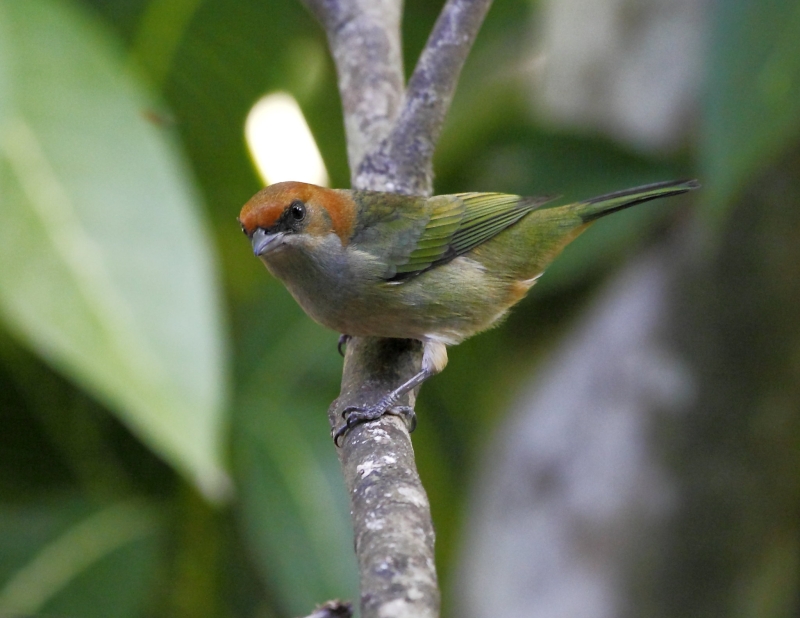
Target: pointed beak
[[264, 243]]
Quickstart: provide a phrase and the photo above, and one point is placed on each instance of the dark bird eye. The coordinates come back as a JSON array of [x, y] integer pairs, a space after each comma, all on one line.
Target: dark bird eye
[[298, 210], [244, 229]]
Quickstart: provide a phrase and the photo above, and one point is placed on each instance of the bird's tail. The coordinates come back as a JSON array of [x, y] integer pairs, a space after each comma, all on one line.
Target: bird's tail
[[597, 207]]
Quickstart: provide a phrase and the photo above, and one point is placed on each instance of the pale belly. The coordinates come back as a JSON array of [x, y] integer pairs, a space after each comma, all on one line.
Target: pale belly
[[446, 304]]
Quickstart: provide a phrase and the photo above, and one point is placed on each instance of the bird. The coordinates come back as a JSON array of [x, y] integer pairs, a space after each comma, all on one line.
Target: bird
[[436, 269]]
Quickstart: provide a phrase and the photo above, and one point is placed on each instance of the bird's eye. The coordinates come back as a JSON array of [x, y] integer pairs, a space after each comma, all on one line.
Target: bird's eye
[[298, 210], [244, 229]]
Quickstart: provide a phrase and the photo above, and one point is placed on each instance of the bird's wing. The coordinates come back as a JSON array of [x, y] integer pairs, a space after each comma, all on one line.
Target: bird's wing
[[399, 229], [442, 220], [456, 224]]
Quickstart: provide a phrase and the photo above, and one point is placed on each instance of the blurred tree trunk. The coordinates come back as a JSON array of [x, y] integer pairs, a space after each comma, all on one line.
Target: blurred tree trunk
[[653, 469]]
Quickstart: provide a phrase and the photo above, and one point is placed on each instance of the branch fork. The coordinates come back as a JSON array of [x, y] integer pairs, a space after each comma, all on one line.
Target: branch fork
[[392, 132]]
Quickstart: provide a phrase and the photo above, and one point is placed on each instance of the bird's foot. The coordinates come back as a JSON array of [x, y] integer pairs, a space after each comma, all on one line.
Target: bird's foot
[[356, 415], [343, 339]]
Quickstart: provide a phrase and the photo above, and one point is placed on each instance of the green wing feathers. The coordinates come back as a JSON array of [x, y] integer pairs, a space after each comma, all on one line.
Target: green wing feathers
[[444, 227], [488, 214], [445, 217], [459, 223]]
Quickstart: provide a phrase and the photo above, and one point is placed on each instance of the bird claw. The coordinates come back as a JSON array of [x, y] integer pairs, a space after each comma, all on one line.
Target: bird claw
[[343, 339], [356, 415]]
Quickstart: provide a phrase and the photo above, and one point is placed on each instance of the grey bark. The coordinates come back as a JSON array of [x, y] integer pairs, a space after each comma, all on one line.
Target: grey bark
[[403, 162], [391, 135], [391, 515], [364, 38], [332, 609]]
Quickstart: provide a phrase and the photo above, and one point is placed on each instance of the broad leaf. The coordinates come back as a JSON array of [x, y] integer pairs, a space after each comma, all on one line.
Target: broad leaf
[[106, 270]]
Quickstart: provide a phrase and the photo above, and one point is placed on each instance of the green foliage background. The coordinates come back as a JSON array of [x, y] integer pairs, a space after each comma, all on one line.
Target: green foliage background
[[164, 448]]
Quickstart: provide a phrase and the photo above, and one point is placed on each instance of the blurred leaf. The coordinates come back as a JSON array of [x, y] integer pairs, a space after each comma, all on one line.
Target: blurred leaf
[[294, 505], [215, 63], [752, 106], [66, 559], [105, 268], [161, 28]]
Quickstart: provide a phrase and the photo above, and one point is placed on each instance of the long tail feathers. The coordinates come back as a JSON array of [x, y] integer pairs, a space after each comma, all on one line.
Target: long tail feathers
[[612, 202]]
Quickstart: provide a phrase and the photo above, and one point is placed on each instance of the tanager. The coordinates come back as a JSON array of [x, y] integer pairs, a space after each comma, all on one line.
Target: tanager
[[437, 269]]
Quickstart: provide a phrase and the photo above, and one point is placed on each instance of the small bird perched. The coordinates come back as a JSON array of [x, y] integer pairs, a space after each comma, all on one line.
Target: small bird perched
[[437, 269]]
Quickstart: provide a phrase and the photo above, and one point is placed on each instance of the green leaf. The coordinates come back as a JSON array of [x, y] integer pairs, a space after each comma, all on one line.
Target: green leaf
[[295, 509], [106, 270], [752, 104], [66, 559]]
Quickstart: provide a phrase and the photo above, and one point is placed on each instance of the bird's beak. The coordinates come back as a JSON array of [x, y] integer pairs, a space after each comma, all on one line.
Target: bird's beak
[[264, 243]]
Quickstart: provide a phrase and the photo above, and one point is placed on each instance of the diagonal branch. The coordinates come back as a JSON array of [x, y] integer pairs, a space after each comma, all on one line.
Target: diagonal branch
[[404, 161]]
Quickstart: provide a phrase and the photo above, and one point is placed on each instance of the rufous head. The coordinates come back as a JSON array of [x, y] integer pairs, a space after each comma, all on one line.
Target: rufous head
[[291, 208]]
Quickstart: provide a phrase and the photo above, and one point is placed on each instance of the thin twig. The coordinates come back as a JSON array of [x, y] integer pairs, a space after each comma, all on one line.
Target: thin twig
[[404, 161]]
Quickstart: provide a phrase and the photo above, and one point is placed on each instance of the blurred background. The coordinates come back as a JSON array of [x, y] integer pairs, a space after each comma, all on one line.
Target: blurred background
[[626, 444]]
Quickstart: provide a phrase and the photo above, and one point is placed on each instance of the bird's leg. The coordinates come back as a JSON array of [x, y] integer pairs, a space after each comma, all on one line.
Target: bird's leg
[[434, 360], [343, 339]]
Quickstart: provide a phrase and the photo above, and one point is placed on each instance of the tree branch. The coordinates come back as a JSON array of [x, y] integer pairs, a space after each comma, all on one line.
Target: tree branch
[[390, 149], [391, 516], [333, 609], [364, 38], [404, 161]]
